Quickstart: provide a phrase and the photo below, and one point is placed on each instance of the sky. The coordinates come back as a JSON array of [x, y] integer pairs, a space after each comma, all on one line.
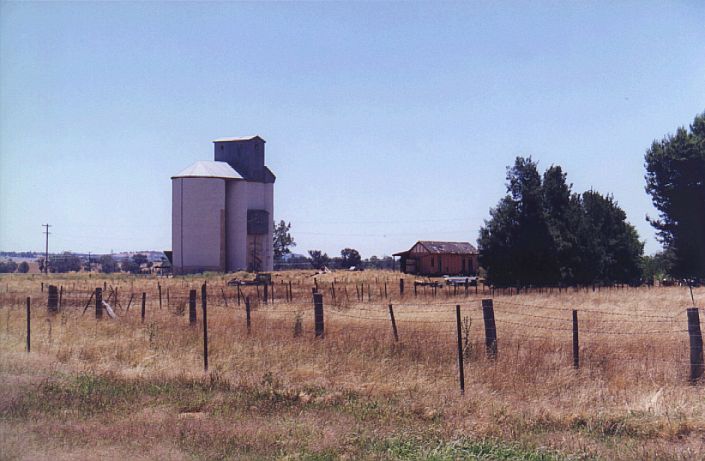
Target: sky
[[386, 123]]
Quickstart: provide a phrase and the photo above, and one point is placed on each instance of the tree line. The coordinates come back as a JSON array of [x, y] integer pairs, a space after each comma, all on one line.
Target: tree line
[[317, 259], [543, 233]]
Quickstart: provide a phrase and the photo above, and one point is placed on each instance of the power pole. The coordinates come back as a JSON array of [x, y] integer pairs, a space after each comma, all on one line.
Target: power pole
[[46, 248]]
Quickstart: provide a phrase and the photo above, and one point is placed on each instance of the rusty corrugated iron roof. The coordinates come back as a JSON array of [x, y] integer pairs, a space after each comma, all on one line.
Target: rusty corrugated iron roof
[[458, 248], [434, 247]]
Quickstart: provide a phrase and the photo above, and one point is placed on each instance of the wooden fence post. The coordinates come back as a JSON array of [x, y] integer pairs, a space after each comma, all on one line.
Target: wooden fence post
[[394, 323], [461, 366], [266, 293], [192, 307], [61, 295], [52, 299], [248, 315], [29, 325], [98, 303], [490, 328], [144, 302], [318, 314], [204, 304], [576, 344], [696, 345], [159, 288], [401, 287]]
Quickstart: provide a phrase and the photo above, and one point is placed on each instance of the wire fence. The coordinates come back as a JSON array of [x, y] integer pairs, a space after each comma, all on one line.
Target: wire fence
[[506, 328]]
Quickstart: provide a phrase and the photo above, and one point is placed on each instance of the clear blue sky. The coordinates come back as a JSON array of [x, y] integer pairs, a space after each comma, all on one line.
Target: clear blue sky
[[385, 123]]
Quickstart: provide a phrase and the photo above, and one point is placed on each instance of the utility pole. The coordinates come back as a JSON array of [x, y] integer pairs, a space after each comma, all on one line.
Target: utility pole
[[46, 248]]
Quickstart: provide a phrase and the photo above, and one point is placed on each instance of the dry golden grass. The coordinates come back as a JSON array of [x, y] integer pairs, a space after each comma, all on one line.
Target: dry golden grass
[[126, 389]]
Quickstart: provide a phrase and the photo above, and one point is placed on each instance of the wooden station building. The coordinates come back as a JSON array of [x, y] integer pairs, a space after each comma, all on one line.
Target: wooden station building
[[439, 258]]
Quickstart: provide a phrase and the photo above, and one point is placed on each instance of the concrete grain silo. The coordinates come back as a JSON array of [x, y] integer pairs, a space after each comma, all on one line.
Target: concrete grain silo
[[222, 210]]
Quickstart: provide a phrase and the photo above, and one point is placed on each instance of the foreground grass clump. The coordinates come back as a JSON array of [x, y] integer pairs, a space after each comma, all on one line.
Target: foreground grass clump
[[128, 389]]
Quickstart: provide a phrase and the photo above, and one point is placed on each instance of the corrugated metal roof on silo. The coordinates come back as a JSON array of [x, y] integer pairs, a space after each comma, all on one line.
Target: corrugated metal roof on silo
[[209, 169]]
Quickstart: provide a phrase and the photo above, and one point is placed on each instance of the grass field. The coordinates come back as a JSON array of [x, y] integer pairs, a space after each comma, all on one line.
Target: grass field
[[127, 389]]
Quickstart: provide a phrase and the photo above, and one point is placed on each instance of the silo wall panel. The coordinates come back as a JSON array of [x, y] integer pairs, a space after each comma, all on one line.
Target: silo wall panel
[[202, 201], [237, 225]]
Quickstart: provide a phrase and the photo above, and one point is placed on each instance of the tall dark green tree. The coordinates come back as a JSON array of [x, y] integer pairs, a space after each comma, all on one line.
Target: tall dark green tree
[[560, 213], [521, 238], [675, 179], [496, 243], [608, 246], [541, 233]]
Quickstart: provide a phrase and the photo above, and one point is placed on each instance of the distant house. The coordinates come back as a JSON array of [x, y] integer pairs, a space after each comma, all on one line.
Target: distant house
[[439, 258]]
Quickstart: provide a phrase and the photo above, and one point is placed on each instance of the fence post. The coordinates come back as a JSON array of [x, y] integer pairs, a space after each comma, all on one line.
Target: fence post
[[98, 303], [696, 345], [576, 344], [144, 302], [192, 307], [490, 328], [225, 298], [159, 288], [204, 303], [394, 324], [29, 325], [248, 315], [52, 299], [461, 366], [61, 295], [401, 287], [318, 314], [266, 293]]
